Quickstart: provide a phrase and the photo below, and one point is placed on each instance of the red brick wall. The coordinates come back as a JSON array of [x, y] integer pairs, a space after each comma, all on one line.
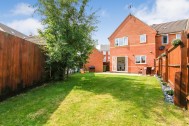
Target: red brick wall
[[133, 28], [159, 43], [95, 59], [106, 56]]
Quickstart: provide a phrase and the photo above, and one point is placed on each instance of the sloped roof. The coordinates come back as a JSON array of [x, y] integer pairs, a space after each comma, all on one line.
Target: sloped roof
[[11, 31], [171, 27], [126, 19], [104, 47]]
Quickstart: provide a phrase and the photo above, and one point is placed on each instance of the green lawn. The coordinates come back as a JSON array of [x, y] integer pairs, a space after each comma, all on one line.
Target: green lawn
[[93, 100]]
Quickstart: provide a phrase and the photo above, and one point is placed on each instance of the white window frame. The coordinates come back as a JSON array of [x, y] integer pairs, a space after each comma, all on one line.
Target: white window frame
[[108, 52], [108, 58], [121, 41], [177, 36], [140, 59], [125, 40], [143, 35], [116, 41], [104, 52], [167, 39]]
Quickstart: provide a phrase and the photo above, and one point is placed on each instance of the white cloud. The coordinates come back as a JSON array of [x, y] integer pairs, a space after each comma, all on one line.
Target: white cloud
[[163, 11], [26, 26], [104, 13], [23, 9]]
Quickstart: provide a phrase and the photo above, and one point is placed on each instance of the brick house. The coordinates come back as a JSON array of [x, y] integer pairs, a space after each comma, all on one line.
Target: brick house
[[134, 45], [96, 60]]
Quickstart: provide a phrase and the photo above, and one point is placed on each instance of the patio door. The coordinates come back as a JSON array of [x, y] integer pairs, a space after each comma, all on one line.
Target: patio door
[[119, 67]]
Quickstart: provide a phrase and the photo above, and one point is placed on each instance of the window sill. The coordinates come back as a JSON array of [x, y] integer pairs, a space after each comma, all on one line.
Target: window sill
[[141, 63], [122, 46], [143, 42], [164, 43]]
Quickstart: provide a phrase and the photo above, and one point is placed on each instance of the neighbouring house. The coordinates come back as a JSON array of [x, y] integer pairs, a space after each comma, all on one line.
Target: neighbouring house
[[34, 39], [11, 31], [95, 60], [134, 45], [167, 32], [105, 49]]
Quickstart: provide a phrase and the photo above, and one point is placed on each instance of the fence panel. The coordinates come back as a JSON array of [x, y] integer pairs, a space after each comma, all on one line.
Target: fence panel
[[21, 64], [174, 64]]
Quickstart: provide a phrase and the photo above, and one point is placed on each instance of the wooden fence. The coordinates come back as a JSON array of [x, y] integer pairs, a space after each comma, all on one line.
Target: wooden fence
[[173, 68], [21, 64]]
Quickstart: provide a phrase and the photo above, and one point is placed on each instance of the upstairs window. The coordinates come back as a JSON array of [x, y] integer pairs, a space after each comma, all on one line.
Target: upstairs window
[[143, 38], [165, 39], [117, 42], [178, 36], [125, 41], [121, 41], [140, 59], [104, 52]]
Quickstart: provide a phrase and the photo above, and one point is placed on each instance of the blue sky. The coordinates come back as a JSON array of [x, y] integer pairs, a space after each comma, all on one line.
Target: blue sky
[[18, 15]]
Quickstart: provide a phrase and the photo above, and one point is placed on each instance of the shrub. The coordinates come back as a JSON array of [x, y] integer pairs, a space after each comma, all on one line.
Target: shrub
[[161, 80], [170, 92], [159, 76], [176, 42], [163, 55], [164, 83]]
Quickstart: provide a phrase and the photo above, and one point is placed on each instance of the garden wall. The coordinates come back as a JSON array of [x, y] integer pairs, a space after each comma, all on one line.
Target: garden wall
[[21, 64]]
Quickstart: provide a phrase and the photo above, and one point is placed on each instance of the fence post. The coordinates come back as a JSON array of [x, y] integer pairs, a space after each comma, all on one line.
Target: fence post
[[159, 68], [155, 66], [166, 65]]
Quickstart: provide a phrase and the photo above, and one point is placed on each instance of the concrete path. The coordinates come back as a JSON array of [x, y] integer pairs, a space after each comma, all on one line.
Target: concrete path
[[119, 73]]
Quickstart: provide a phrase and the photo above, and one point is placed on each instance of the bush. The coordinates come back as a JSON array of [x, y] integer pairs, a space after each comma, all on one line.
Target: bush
[[163, 55], [164, 83], [159, 76], [176, 42], [170, 92]]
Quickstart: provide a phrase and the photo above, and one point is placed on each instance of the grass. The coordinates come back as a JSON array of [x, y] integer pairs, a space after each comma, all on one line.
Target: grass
[[93, 100]]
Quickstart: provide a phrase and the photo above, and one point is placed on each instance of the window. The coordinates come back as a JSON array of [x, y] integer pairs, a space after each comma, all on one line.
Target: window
[[121, 41], [140, 59], [117, 42], [108, 52], [104, 52], [178, 36], [104, 60], [165, 39], [108, 58], [125, 41], [143, 38]]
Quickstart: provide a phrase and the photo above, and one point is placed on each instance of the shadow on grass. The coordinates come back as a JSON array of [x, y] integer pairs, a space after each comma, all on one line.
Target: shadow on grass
[[36, 106]]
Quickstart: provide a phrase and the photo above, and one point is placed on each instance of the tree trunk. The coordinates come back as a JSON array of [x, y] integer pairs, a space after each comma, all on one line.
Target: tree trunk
[[63, 74], [67, 73]]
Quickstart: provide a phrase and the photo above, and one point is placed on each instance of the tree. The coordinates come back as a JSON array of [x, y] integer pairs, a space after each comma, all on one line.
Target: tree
[[68, 33]]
